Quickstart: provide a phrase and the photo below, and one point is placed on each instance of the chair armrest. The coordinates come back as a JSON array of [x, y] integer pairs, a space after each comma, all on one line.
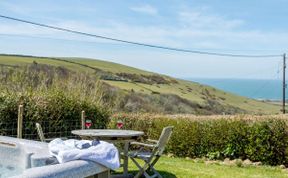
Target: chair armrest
[[143, 144], [153, 141]]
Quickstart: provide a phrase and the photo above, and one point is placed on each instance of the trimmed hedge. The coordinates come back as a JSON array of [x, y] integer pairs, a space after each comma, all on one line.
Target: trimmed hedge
[[264, 139]]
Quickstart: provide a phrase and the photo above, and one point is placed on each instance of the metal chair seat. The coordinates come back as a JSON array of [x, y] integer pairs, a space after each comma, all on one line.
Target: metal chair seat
[[141, 155]]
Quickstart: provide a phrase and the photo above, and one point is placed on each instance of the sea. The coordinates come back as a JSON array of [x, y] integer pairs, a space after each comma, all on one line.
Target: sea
[[262, 89]]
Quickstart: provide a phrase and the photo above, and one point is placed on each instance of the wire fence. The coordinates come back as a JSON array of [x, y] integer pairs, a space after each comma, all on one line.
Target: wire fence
[[50, 130], [8, 129], [27, 129]]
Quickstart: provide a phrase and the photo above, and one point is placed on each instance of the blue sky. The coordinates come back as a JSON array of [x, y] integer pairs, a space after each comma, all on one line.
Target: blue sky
[[242, 27]]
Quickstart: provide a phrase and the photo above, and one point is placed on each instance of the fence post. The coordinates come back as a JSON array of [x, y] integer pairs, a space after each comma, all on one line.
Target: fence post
[[83, 120], [20, 121]]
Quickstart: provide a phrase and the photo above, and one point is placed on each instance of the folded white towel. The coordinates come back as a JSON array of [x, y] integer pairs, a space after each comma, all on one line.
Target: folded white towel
[[98, 151]]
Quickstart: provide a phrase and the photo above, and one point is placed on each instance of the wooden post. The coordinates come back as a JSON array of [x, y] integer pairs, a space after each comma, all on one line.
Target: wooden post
[[284, 84], [20, 121], [83, 120]]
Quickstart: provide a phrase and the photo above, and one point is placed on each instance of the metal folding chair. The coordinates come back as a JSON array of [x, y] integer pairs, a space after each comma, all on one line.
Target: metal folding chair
[[150, 158]]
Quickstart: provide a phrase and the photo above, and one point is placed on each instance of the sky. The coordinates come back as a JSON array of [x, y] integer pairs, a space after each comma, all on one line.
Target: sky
[[224, 26]]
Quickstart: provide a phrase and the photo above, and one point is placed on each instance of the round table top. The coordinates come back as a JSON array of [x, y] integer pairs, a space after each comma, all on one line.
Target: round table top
[[107, 133]]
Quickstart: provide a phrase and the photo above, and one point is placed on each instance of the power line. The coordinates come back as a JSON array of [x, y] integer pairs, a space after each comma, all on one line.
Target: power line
[[91, 41], [44, 38], [138, 43]]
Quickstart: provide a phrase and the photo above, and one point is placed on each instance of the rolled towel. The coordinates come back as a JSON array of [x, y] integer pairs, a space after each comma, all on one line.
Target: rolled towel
[[95, 142], [83, 144]]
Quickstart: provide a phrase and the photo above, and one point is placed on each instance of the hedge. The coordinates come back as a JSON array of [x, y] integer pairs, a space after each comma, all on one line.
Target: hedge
[[262, 139], [57, 112]]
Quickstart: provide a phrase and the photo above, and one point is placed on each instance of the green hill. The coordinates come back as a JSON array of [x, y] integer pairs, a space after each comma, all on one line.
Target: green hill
[[141, 87]]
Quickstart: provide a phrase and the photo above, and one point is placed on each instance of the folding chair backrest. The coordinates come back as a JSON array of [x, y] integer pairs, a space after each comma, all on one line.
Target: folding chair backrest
[[40, 132], [164, 138]]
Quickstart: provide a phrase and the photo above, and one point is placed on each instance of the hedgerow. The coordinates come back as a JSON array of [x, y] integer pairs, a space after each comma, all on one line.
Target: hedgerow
[[262, 139], [56, 112]]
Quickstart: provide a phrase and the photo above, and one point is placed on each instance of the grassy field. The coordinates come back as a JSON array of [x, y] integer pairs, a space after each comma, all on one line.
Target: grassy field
[[191, 91], [182, 168]]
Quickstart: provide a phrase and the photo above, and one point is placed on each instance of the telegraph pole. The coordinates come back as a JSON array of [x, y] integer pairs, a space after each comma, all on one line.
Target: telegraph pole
[[284, 83]]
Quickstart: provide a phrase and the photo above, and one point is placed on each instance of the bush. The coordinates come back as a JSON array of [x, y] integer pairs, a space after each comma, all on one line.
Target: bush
[[264, 139], [56, 112], [52, 96]]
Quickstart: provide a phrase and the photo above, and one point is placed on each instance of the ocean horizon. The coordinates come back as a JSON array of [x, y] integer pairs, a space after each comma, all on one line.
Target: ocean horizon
[[261, 89]]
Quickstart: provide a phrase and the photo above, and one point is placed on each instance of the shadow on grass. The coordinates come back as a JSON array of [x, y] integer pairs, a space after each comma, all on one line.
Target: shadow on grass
[[164, 174]]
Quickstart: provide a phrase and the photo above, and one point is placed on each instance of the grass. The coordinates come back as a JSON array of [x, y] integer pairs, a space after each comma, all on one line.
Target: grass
[[182, 89], [110, 66], [103, 65], [182, 168], [188, 90]]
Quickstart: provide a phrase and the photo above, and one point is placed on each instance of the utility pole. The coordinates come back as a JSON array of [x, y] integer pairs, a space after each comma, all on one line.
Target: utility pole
[[284, 83]]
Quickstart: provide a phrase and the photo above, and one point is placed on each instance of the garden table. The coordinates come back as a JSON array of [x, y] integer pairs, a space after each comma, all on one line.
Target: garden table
[[112, 135]]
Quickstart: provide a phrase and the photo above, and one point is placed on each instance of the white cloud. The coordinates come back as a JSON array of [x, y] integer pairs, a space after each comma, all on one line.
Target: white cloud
[[145, 9], [29, 8], [202, 19], [177, 36], [193, 29]]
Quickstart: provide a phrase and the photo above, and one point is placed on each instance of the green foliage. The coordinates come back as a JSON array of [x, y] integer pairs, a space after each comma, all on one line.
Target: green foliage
[[147, 79], [268, 138], [214, 155], [52, 96], [57, 112], [264, 140], [189, 97]]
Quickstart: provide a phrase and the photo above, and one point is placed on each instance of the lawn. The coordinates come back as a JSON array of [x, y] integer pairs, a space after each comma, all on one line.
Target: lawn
[[182, 168]]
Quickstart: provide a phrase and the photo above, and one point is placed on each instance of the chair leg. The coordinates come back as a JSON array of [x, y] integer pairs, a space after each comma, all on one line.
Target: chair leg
[[142, 170], [155, 161], [139, 174], [152, 169], [146, 174], [139, 167], [155, 172]]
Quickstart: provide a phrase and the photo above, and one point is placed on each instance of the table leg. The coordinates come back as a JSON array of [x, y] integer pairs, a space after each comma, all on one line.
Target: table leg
[[125, 166]]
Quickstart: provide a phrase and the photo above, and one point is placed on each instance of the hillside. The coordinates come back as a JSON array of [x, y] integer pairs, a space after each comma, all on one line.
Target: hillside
[[141, 88]]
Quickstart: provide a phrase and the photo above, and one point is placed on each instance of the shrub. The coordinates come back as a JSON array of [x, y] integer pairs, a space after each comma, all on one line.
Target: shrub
[[57, 112], [147, 79], [52, 96], [264, 139]]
